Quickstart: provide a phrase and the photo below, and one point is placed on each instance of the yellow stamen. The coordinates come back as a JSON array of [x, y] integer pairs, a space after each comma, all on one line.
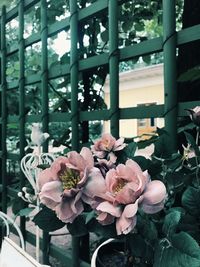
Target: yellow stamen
[[120, 185], [70, 178]]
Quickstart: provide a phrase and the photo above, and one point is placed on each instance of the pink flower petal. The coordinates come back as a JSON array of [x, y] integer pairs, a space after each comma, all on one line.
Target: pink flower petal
[[87, 155], [76, 160], [119, 144], [65, 213], [50, 194], [154, 193], [95, 184], [109, 208], [45, 176], [105, 218], [125, 225], [130, 210], [151, 209]]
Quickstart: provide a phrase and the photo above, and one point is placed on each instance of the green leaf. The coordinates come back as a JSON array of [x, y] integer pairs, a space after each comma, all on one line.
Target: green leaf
[[144, 143], [78, 227], [189, 224], [176, 180], [127, 153], [47, 220], [191, 200], [190, 75], [140, 248], [143, 162], [181, 250], [90, 215], [25, 212], [139, 27], [18, 204], [189, 126], [130, 149], [146, 227], [105, 36], [171, 222], [146, 59], [127, 25], [43, 166], [105, 231], [161, 149]]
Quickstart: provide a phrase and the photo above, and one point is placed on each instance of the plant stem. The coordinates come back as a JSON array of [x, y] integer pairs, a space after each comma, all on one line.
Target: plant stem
[[196, 158]]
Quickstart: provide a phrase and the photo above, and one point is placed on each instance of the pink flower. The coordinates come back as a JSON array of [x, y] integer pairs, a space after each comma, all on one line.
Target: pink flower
[[61, 184], [195, 115], [106, 146], [128, 187]]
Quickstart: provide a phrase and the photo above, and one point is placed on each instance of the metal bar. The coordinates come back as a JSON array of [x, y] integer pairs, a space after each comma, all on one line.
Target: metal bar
[[45, 120], [74, 73], [3, 110], [74, 104], [114, 67], [84, 14], [21, 99], [13, 13], [44, 71], [125, 113], [169, 51], [187, 35]]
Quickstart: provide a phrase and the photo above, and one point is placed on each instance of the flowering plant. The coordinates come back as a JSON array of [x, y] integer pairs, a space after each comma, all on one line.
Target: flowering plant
[[150, 204], [113, 190]]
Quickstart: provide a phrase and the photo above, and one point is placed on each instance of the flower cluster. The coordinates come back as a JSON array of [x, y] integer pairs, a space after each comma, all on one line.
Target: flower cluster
[[95, 177]]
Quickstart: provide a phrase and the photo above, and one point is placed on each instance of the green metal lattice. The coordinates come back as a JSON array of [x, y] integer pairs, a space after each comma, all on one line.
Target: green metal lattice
[[170, 110]]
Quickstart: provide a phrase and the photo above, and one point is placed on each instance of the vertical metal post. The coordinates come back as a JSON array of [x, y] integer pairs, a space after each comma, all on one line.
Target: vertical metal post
[[44, 86], [74, 103], [114, 66], [21, 99], [44, 65], [74, 73], [3, 109], [169, 50]]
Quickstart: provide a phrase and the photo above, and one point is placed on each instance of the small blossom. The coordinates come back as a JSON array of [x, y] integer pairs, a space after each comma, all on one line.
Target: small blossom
[[195, 115], [188, 152], [105, 147]]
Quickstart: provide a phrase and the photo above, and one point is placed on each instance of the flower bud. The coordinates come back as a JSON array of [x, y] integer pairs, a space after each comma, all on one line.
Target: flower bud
[[195, 115]]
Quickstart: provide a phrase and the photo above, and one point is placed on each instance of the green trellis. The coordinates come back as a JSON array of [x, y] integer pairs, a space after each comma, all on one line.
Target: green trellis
[[170, 110]]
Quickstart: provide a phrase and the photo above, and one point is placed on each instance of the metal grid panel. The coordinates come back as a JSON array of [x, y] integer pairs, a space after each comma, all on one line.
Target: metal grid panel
[[170, 110]]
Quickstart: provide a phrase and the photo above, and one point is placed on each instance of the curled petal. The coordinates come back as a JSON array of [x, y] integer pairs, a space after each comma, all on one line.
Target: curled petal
[[151, 209], [127, 221], [50, 194], [105, 218], [65, 212], [57, 164], [75, 203], [76, 161], [46, 176], [98, 154], [109, 208], [130, 210], [154, 193], [95, 184], [112, 157], [87, 155], [119, 144]]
